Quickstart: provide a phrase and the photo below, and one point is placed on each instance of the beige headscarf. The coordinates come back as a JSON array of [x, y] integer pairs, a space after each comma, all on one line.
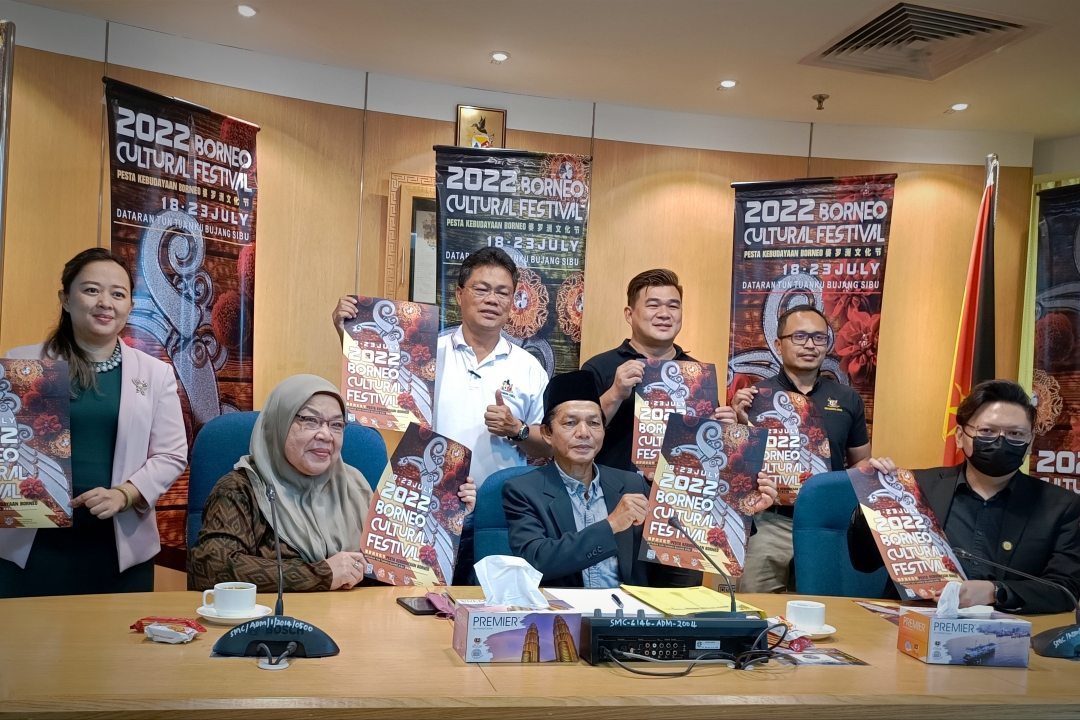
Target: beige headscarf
[[318, 515]]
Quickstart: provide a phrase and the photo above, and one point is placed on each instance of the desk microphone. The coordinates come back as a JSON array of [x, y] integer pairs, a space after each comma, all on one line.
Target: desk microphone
[[1062, 642], [278, 636], [673, 521]]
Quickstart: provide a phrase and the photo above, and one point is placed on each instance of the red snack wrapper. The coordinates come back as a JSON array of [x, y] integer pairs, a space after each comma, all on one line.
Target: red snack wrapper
[[140, 625]]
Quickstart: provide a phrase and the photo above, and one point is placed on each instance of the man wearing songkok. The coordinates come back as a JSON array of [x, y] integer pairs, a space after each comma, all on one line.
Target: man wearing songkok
[[579, 523], [989, 507]]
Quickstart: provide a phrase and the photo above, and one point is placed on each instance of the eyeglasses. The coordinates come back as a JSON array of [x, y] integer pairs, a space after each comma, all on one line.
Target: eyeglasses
[[1013, 436], [312, 424], [481, 292], [799, 338]]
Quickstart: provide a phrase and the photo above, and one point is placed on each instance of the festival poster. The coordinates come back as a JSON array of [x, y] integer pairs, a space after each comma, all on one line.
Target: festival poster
[[669, 386], [707, 476], [35, 444], [1055, 451], [798, 447], [183, 193], [820, 242], [388, 363], [916, 552], [535, 206], [414, 523]]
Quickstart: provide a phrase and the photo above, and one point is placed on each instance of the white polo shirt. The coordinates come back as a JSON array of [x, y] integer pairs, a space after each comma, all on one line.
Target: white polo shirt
[[464, 389]]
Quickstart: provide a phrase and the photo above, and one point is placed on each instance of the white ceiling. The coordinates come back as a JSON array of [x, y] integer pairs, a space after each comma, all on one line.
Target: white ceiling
[[668, 54]]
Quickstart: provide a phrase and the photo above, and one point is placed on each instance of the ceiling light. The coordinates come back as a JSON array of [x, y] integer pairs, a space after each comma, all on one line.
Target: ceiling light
[[499, 56], [246, 10], [727, 84], [958, 107]]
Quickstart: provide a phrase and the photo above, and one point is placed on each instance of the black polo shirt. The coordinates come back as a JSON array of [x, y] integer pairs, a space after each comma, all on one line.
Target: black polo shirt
[[619, 436]]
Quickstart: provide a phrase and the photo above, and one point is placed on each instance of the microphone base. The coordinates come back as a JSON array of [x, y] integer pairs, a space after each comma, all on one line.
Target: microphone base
[[276, 632], [1060, 642]]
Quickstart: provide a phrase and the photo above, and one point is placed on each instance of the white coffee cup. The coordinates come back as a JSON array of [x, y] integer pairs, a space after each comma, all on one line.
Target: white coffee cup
[[231, 599], [806, 614]]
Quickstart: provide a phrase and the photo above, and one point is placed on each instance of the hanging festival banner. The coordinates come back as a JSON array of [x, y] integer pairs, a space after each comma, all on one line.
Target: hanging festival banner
[[1055, 452], [183, 190], [820, 242], [535, 206]]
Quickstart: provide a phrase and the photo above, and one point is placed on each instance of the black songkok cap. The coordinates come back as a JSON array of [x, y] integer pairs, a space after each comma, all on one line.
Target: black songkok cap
[[577, 385]]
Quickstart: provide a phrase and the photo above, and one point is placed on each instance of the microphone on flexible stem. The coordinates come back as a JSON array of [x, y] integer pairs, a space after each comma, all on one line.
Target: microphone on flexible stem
[[277, 636], [674, 522], [271, 495], [1061, 642]]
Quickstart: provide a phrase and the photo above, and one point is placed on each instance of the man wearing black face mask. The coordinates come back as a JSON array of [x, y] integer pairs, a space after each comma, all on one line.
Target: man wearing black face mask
[[991, 509]]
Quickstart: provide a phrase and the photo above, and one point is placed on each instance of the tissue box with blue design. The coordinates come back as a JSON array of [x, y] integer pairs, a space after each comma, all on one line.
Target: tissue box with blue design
[[995, 639], [515, 634]]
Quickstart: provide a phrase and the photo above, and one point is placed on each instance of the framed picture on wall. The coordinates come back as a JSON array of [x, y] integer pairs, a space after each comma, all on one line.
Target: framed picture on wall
[[409, 256], [479, 127]]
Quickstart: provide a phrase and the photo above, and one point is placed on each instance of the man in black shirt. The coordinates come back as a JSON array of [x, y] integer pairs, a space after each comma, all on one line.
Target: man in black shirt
[[802, 343], [989, 508], [654, 313]]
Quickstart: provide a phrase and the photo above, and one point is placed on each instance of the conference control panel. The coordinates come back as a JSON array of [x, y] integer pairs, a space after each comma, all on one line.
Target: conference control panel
[[669, 638]]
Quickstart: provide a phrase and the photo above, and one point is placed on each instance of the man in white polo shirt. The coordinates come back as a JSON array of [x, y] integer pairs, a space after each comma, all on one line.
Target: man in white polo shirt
[[489, 393]]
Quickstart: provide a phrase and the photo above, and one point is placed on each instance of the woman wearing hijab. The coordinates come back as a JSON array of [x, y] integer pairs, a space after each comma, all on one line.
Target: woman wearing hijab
[[321, 501]]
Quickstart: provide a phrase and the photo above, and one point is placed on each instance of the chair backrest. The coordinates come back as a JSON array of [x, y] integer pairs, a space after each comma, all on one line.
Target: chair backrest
[[489, 520], [822, 514], [226, 438]]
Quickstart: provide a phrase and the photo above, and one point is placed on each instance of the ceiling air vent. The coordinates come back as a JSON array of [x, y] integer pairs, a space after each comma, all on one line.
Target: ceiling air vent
[[919, 42]]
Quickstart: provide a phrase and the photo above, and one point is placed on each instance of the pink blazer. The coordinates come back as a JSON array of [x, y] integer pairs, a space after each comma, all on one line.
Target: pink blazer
[[151, 452]]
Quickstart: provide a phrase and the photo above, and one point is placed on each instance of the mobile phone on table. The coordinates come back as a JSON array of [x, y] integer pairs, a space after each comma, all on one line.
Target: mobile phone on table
[[418, 605]]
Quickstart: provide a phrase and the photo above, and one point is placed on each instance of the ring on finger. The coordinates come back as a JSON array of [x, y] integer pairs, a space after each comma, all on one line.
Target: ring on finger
[[356, 564]]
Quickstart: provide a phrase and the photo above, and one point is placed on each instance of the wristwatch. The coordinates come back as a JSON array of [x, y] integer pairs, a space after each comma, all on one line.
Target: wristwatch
[[522, 434], [1001, 594]]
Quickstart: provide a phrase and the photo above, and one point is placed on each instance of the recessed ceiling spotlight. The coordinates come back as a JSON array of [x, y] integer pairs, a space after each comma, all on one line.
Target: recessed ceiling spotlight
[[727, 84], [499, 56], [246, 11], [959, 107]]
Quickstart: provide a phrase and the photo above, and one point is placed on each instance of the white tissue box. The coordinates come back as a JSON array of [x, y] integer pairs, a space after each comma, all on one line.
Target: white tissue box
[[995, 640], [500, 634]]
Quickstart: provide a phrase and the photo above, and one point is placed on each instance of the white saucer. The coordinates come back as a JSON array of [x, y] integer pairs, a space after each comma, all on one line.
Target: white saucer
[[210, 615], [818, 633]]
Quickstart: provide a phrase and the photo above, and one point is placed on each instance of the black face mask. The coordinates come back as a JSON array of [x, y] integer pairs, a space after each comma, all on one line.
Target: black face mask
[[996, 457]]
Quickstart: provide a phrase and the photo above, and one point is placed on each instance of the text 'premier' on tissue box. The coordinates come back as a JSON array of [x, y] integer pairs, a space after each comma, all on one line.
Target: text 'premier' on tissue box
[[996, 640], [499, 634]]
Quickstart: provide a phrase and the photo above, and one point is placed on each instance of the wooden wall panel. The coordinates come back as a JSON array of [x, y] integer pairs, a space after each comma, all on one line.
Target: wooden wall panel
[[55, 154], [309, 199], [656, 206], [930, 246]]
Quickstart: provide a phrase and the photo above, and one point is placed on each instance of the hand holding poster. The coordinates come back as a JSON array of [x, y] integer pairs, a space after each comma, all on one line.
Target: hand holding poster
[[707, 476], [798, 446], [35, 444], [388, 363], [669, 386], [917, 554], [413, 526]]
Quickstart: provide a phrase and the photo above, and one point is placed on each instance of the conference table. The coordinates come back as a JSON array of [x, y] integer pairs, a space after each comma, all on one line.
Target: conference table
[[75, 657]]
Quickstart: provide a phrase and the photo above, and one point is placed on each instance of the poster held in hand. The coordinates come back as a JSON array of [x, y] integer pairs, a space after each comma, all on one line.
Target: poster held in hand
[[707, 476], [669, 386], [798, 445], [413, 526], [917, 554], [35, 444], [388, 363]]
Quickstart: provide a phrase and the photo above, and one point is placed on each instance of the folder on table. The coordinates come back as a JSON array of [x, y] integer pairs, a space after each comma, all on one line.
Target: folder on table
[[685, 601]]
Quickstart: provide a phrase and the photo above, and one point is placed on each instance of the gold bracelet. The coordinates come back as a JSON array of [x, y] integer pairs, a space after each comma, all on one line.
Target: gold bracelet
[[127, 497]]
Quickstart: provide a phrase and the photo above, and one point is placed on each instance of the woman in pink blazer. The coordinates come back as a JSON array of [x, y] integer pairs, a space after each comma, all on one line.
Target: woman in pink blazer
[[128, 446]]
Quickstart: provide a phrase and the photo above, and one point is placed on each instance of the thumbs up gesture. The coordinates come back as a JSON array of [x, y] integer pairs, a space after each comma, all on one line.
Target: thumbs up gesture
[[500, 419]]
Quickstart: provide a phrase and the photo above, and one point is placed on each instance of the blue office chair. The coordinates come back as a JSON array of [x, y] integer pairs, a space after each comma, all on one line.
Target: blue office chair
[[226, 438], [822, 514], [489, 520]]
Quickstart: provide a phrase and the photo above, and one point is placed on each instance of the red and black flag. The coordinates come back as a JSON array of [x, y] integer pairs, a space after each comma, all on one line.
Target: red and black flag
[[974, 356]]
